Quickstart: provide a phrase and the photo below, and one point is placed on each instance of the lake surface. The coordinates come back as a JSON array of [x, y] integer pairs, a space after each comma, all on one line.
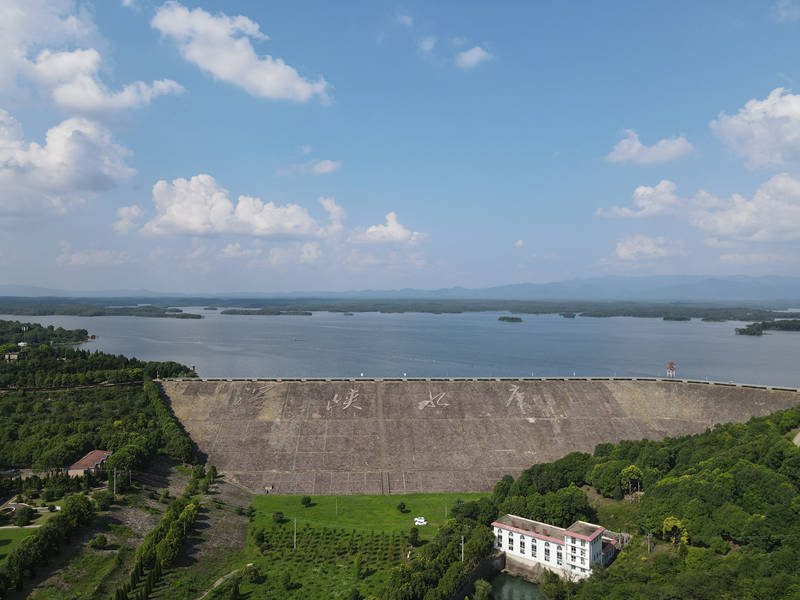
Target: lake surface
[[461, 345], [507, 587]]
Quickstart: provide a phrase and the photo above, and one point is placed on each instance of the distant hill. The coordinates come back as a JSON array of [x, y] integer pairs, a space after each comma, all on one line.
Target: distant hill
[[658, 288]]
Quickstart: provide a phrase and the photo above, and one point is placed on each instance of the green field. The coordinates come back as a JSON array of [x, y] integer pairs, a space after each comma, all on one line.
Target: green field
[[378, 513], [10, 539]]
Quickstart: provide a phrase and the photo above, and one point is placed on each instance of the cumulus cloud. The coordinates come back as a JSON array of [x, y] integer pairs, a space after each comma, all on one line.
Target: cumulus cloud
[[519, 244], [392, 232], [630, 149], [305, 253], [236, 251], [127, 218], [773, 213], [222, 45], [427, 44], [70, 77], [647, 202], [639, 246], [406, 20], [200, 206], [336, 215], [357, 260], [73, 81], [79, 157], [764, 132], [89, 258], [310, 252], [469, 59]]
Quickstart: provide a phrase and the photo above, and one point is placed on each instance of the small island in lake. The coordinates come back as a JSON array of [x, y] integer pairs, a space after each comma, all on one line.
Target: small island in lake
[[760, 328], [568, 315], [348, 314], [510, 319], [267, 312], [677, 318]]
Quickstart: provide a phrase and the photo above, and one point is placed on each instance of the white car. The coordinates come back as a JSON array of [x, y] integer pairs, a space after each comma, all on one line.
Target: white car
[[418, 521]]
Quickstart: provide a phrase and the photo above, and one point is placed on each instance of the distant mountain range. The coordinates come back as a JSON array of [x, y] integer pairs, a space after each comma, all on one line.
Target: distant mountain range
[[661, 288]]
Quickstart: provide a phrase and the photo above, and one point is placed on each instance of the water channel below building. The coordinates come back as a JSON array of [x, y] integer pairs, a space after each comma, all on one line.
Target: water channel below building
[[508, 587]]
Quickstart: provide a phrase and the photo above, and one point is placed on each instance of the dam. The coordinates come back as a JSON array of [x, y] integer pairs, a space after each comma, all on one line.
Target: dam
[[392, 436]]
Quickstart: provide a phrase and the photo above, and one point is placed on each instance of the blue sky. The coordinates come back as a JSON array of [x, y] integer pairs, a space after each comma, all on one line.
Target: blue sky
[[265, 146]]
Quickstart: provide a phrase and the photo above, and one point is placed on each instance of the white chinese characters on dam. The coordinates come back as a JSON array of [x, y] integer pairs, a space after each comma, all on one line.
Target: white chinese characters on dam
[[433, 401], [517, 396], [348, 402]]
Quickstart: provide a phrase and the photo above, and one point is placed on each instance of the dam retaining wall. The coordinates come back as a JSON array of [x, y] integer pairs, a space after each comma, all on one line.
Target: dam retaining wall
[[367, 436]]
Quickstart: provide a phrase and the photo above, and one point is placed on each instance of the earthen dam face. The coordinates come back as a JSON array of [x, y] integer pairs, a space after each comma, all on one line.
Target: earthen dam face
[[392, 436]]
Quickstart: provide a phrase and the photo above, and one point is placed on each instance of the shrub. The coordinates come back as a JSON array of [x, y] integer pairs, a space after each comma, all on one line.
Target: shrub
[[401, 507], [24, 516], [98, 542], [277, 517], [305, 501]]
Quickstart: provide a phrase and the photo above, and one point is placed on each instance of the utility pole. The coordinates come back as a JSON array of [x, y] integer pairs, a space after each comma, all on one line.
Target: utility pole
[[462, 548], [115, 482], [337, 505], [295, 532], [445, 510], [649, 535]]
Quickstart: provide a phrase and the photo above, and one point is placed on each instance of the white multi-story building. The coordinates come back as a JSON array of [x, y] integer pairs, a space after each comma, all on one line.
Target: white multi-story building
[[570, 552]]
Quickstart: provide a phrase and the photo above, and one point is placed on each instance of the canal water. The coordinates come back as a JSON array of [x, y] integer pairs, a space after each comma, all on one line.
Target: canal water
[[508, 587]]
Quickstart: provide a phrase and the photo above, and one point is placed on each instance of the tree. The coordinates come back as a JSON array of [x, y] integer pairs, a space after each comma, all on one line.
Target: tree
[[24, 516], [401, 507], [482, 590], [98, 542], [413, 536], [674, 531], [277, 517], [630, 478], [306, 501], [357, 566]]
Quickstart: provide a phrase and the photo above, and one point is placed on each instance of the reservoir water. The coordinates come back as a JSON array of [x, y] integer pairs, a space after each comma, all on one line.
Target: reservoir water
[[448, 345], [508, 587]]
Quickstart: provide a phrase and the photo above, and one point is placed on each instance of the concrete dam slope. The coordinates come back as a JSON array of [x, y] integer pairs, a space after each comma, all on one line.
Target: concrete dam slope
[[396, 436]]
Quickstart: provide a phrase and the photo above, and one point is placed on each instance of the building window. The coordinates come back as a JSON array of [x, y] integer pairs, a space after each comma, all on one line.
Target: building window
[[533, 548], [522, 545], [499, 541], [510, 543]]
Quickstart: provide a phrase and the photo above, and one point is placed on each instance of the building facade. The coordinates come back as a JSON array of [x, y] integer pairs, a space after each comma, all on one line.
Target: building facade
[[92, 462], [572, 552]]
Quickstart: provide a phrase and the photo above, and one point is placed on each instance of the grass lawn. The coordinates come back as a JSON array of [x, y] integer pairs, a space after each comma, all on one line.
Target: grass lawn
[[369, 513], [10, 539]]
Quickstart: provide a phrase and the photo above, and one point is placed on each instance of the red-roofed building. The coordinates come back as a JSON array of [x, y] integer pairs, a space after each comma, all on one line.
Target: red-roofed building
[[92, 462], [570, 552]]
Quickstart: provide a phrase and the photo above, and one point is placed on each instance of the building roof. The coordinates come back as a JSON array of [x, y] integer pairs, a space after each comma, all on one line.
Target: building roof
[[94, 458], [529, 527], [579, 529], [584, 530]]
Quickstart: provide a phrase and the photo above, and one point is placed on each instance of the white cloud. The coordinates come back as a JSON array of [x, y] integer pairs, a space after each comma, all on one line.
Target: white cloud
[[200, 206], [78, 158], [357, 260], [310, 252], [27, 24], [786, 11], [406, 20], [773, 213], [336, 215], [323, 167], [764, 132], [236, 251], [756, 258], [427, 44], [469, 59], [305, 149], [127, 218], [519, 244], [314, 167], [391, 232], [89, 258], [648, 202], [72, 78], [630, 149], [222, 45], [637, 247]]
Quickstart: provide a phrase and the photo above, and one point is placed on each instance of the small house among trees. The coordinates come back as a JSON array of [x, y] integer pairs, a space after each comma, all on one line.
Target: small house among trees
[[92, 462]]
